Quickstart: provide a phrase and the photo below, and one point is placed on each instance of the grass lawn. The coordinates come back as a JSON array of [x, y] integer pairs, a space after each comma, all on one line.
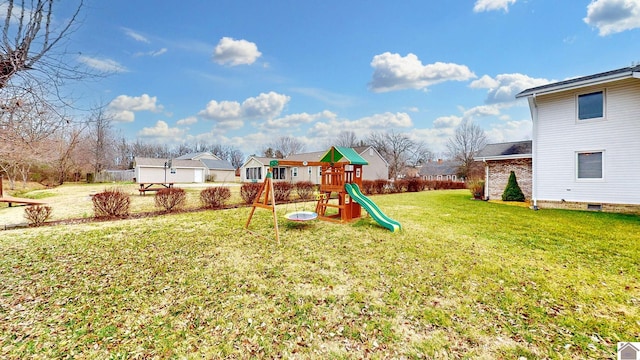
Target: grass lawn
[[464, 279]]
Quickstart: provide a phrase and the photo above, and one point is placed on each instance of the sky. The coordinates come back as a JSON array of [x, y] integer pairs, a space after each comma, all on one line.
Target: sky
[[244, 72]]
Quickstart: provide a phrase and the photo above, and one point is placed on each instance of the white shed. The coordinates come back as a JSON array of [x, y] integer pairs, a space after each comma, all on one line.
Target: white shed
[[163, 171]]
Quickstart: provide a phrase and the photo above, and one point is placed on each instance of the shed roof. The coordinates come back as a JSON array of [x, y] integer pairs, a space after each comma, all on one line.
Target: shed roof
[[175, 163], [337, 153], [604, 77], [217, 164], [508, 150]]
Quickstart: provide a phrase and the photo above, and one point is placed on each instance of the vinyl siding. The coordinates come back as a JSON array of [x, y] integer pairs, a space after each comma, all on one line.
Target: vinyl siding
[[559, 136]]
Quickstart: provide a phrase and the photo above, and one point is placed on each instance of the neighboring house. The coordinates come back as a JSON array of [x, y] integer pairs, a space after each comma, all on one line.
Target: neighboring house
[[216, 169], [162, 171], [255, 168], [499, 160], [439, 170], [586, 144]]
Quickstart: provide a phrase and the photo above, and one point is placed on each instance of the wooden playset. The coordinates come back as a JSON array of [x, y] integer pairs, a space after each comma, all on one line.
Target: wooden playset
[[341, 172]]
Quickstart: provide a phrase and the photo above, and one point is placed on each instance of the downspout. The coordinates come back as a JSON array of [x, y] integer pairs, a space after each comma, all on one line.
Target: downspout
[[533, 107], [486, 179]]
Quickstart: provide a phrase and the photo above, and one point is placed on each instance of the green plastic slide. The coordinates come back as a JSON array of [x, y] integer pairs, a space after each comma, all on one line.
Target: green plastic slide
[[354, 191]]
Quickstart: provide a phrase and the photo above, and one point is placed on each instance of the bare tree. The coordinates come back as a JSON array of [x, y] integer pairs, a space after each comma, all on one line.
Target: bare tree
[[347, 139], [102, 140], [28, 39], [285, 146], [398, 149], [468, 139]]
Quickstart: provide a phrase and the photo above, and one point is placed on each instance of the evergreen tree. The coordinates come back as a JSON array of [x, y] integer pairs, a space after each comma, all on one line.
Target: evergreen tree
[[512, 192]]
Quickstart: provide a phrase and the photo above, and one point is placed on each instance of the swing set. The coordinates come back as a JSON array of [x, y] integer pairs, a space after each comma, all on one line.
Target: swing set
[[339, 166]]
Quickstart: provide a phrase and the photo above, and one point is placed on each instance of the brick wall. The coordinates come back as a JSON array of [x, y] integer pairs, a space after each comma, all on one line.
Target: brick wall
[[572, 205], [499, 171]]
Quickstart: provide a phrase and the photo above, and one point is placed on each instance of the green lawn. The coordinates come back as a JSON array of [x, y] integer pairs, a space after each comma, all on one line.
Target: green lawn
[[464, 279]]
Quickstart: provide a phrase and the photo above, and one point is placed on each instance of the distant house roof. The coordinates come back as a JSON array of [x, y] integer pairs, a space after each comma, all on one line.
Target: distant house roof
[[604, 77], [504, 151], [175, 163], [311, 156], [198, 156], [217, 164], [440, 167], [337, 153]]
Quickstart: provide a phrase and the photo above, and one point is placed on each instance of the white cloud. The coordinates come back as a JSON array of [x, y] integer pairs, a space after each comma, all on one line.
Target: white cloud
[[123, 116], [235, 52], [160, 130], [135, 103], [613, 16], [222, 110], [135, 35], [265, 105], [510, 131], [504, 87], [490, 5], [122, 108], [232, 114], [152, 53], [332, 127], [187, 121], [394, 72], [295, 120], [106, 65], [447, 122]]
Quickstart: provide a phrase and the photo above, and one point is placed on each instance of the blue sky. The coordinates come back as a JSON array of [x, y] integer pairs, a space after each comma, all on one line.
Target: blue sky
[[243, 73]]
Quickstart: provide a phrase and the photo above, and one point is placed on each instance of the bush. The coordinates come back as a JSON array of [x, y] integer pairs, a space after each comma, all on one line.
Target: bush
[[398, 186], [215, 197], [170, 198], [476, 187], [305, 189], [111, 203], [249, 191], [36, 215], [416, 185], [512, 192], [368, 187], [380, 186], [282, 191]]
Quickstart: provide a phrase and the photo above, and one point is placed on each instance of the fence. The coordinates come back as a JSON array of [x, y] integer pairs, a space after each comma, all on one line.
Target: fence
[[114, 175]]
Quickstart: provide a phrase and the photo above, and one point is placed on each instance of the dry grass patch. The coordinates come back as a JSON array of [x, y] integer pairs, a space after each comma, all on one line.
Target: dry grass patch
[[464, 279]]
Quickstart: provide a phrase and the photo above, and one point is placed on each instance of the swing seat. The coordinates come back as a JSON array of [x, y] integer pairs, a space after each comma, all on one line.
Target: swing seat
[[301, 216]]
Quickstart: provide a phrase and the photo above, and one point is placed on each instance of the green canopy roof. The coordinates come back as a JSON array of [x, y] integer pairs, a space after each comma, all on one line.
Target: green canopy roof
[[337, 153]]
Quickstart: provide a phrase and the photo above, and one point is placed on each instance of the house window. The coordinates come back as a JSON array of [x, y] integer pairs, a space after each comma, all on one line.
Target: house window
[[590, 165], [254, 173], [294, 172], [279, 173], [309, 170], [591, 106]]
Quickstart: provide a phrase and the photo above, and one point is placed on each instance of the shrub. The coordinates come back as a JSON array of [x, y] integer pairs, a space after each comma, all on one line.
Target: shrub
[[368, 187], [282, 191], [399, 186], [380, 186], [416, 185], [512, 192], [476, 187], [111, 203], [170, 198], [215, 197], [249, 191], [36, 215], [305, 189]]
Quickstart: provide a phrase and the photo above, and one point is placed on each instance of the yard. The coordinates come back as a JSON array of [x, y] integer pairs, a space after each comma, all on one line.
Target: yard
[[464, 279]]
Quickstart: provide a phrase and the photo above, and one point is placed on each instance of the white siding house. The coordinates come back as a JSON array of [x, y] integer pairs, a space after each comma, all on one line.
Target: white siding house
[[255, 168], [586, 141]]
